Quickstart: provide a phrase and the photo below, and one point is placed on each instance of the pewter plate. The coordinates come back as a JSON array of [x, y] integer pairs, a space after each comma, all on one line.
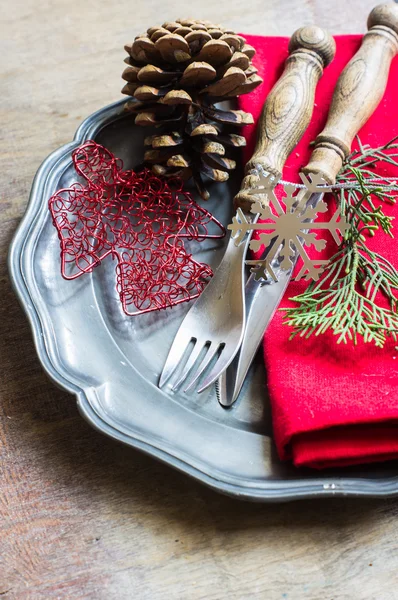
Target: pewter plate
[[112, 362]]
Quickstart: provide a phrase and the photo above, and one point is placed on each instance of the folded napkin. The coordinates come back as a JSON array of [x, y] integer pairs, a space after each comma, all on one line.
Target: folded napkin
[[332, 405]]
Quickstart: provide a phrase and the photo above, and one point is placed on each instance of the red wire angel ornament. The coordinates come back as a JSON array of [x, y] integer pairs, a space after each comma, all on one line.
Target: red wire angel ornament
[[140, 220]]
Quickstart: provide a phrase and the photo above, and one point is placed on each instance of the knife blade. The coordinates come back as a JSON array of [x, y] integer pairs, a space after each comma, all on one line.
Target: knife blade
[[262, 301], [358, 92]]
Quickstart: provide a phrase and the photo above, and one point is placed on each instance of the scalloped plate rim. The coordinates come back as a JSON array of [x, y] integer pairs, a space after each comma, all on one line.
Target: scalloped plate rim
[[277, 490]]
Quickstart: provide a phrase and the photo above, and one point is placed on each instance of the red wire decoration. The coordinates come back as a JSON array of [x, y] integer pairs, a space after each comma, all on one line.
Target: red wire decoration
[[140, 220]]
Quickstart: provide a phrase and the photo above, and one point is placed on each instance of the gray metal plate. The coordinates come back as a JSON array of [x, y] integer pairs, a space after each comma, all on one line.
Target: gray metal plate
[[112, 362]]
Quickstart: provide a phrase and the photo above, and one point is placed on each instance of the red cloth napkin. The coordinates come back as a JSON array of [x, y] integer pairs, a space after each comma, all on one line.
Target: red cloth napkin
[[332, 405]]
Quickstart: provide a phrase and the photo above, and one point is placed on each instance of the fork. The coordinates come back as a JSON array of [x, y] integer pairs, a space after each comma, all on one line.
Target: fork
[[215, 323]]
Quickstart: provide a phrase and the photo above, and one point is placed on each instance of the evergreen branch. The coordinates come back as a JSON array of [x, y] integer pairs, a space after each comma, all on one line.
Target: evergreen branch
[[357, 294]]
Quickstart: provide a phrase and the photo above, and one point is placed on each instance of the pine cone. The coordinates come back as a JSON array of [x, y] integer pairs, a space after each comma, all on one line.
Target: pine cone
[[177, 73]]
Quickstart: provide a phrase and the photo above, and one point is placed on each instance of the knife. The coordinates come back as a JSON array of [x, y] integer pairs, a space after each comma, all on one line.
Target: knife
[[358, 92]]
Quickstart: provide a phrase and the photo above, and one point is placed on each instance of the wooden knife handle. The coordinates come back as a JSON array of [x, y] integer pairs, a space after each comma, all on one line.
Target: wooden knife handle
[[358, 92], [288, 108]]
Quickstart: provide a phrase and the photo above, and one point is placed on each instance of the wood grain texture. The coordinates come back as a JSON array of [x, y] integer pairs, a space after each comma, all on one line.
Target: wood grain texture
[[290, 104], [80, 516], [288, 108], [358, 92]]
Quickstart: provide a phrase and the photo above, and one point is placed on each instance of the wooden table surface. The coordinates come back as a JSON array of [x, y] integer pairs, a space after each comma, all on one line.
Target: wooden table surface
[[81, 516]]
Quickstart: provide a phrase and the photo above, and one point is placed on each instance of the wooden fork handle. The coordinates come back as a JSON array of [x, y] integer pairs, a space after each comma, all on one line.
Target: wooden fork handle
[[358, 92], [288, 108]]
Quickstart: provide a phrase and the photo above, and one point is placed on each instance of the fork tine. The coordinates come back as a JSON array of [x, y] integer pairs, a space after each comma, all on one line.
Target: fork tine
[[223, 361], [189, 364], [203, 365], [174, 356]]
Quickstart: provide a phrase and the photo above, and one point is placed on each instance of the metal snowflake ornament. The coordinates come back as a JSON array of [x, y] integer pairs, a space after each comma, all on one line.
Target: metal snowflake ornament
[[287, 228]]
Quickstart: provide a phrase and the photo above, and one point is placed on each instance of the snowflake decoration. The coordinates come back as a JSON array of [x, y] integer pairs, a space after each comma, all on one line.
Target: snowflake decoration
[[287, 229]]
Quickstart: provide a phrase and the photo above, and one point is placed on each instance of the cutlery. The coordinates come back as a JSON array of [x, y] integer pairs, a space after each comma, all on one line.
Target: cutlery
[[214, 326], [358, 92]]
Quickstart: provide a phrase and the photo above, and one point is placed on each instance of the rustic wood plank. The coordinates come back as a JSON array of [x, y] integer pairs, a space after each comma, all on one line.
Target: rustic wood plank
[[80, 516]]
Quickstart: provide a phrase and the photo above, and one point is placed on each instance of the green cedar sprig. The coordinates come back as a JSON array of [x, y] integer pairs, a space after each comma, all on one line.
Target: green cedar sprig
[[348, 297]]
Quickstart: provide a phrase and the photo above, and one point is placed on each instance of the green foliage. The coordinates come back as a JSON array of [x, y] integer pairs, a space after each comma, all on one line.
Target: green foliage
[[357, 294]]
